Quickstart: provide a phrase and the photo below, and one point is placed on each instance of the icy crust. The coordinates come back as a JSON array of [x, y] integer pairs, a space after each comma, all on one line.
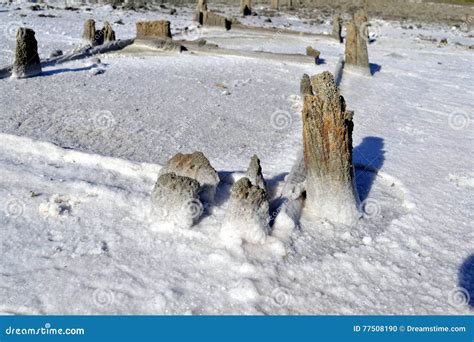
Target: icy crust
[[93, 233], [248, 214]]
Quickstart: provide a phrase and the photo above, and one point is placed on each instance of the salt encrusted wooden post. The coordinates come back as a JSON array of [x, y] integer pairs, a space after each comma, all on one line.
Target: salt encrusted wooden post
[[356, 48], [361, 17], [108, 32], [201, 9], [213, 19], [27, 62], [202, 5], [366, 5], [305, 86], [337, 28], [154, 29], [89, 31], [327, 140], [245, 7]]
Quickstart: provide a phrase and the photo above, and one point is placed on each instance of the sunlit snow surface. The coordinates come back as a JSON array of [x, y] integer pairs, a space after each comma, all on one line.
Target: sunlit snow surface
[[80, 152]]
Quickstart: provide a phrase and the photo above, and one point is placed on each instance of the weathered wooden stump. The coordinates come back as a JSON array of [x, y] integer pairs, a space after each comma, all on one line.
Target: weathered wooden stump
[[213, 19], [108, 32], [305, 86], [200, 10], [356, 48], [337, 28], [327, 140], [27, 62], [275, 4], [89, 34], [361, 17], [245, 7], [153, 29]]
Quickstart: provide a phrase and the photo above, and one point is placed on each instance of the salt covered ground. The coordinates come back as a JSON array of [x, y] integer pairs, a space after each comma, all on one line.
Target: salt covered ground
[[80, 151]]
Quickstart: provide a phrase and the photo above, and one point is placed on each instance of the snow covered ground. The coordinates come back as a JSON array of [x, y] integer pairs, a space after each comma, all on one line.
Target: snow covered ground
[[80, 152]]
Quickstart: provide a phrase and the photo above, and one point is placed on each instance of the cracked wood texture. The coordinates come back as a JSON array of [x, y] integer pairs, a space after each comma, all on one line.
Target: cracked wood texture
[[327, 140]]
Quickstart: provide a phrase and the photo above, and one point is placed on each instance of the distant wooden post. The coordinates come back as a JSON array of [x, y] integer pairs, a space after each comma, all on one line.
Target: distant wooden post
[[356, 47], [27, 62], [337, 28], [245, 7]]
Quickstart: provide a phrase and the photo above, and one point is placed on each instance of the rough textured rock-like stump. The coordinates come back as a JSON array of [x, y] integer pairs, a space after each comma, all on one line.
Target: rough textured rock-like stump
[[175, 199], [27, 62], [248, 215], [246, 7], [356, 48], [327, 140], [154, 29], [198, 167], [337, 28], [254, 173], [312, 52]]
